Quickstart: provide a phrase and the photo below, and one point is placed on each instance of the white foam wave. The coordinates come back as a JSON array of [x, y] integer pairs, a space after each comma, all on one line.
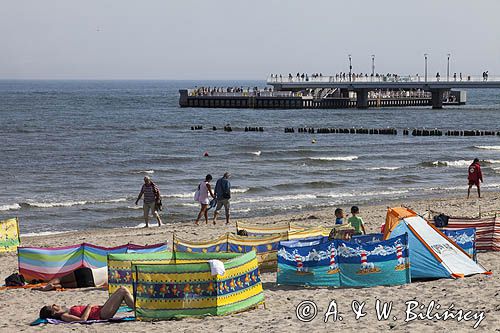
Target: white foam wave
[[291, 197], [73, 203], [256, 153], [335, 158], [384, 168], [488, 147], [148, 172], [242, 210], [45, 233], [152, 224], [181, 195], [10, 207], [453, 164], [492, 161], [239, 190]]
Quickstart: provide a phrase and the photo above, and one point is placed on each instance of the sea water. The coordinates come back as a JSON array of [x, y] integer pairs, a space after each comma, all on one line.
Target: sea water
[[74, 153]]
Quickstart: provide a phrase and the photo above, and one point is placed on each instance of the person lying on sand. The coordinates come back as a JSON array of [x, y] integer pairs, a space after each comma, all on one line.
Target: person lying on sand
[[80, 278], [89, 312]]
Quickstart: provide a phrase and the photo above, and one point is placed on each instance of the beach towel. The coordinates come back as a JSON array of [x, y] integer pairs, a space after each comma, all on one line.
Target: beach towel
[[40, 321], [124, 308]]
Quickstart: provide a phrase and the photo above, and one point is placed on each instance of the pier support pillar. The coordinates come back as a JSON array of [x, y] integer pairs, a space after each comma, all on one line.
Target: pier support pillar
[[183, 100], [362, 98], [437, 98]]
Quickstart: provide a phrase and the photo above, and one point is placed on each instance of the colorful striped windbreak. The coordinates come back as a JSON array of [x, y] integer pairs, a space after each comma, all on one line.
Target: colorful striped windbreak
[[9, 235], [260, 230], [487, 231], [46, 263], [179, 290], [265, 246], [120, 265]]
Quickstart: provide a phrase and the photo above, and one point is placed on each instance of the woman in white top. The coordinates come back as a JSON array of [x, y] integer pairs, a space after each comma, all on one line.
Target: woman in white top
[[205, 189]]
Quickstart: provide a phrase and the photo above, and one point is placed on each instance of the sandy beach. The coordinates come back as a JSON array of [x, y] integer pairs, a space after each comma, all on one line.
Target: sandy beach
[[477, 293]]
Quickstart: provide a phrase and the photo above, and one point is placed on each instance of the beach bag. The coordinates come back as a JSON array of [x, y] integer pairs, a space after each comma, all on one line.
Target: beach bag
[[197, 194], [158, 205], [15, 280]]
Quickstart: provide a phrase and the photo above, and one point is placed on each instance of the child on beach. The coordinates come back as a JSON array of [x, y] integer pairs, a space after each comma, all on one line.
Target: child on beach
[[339, 219], [339, 216], [356, 222]]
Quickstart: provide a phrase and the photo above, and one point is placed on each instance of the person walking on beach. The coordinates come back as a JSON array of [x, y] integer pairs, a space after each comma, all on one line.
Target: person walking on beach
[[204, 190], [151, 194], [222, 195], [474, 177]]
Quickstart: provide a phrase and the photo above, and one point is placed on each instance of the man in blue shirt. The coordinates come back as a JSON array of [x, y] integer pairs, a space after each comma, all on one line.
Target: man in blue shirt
[[223, 195]]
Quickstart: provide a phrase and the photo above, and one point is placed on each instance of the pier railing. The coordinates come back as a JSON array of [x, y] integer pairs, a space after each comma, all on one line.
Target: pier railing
[[380, 78]]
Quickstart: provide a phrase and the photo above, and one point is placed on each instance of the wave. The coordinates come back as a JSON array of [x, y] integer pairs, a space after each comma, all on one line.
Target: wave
[[45, 233], [240, 190], [384, 168], [142, 225], [335, 158], [69, 203], [148, 172], [488, 147], [10, 207], [456, 163], [453, 164], [181, 195], [256, 153], [314, 184], [290, 197]]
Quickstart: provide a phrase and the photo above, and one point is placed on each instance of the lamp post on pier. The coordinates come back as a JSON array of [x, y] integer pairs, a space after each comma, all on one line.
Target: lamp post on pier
[[425, 73], [350, 68], [448, 68], [373, 65]]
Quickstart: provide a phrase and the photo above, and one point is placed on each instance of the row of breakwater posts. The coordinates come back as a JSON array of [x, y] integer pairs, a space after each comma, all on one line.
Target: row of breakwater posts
[[370, 131]]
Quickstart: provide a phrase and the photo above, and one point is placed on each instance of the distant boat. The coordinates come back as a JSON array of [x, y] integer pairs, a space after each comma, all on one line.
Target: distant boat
[[300, 266]]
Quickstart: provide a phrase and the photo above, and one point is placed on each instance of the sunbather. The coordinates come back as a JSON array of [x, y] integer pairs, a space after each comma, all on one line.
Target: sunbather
[[80, 278], [89, 312]]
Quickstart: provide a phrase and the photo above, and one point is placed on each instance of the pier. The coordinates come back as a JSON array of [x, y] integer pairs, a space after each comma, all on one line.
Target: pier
[[362, 85], [334, 92]]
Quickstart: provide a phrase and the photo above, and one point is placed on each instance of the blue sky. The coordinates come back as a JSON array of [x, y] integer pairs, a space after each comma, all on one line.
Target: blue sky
[[99, 39]]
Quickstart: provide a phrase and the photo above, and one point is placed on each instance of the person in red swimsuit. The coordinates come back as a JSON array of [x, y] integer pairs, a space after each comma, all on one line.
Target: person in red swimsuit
[[89, 312], [475, 175]]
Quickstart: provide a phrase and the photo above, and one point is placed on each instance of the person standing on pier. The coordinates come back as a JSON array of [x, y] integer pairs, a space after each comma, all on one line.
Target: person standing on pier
[[474, 177], [151, 194]]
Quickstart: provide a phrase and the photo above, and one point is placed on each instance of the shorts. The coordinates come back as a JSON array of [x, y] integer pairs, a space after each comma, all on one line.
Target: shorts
[[149, 206], [222, 202], [474, 182]]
